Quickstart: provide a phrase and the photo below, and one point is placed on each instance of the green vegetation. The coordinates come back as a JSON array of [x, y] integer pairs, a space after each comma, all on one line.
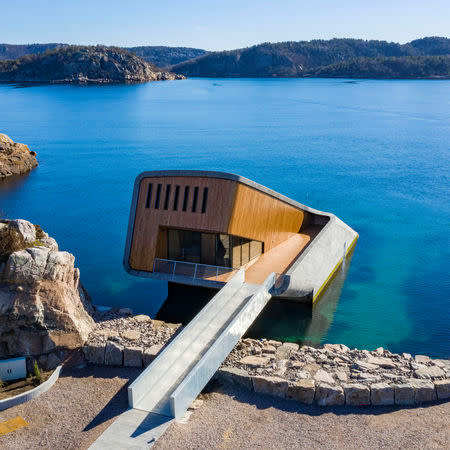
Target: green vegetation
[[40, 234], [37, 373], [402, 67], [159, 55], [299, 59], [358, 58], [10, 241], [81, 64], [13, 51], [166, 56]]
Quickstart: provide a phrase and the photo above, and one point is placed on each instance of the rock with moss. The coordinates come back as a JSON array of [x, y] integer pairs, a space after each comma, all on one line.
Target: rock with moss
[[15, 158], [44, 309]]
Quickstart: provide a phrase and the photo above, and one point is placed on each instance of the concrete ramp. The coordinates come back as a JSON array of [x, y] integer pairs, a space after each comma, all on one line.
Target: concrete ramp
[[166, 389], [170, 384]]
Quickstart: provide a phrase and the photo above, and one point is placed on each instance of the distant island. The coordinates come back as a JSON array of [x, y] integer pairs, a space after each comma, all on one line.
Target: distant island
[[166, 56], [160, 56], [82, 64], [354, 58], [426, 58]]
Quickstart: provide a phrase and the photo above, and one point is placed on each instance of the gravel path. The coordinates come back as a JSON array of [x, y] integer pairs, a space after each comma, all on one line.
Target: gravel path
[[243, 420], [84, 402], [73, 413]]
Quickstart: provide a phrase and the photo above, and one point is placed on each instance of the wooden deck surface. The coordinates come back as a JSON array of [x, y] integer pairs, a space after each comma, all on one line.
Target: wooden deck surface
[[278, 260], [281, 257]]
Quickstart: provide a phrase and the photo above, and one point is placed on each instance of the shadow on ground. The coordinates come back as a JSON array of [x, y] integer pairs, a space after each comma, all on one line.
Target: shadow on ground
[[263, 401], [119, 402]]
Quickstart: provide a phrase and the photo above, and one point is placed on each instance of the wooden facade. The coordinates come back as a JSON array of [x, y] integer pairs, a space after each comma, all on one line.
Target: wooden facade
[[210, 204]]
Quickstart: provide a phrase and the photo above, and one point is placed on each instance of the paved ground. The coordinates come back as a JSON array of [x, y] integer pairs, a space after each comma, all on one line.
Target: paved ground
[[73, 413], [242, 420], [84, 402]]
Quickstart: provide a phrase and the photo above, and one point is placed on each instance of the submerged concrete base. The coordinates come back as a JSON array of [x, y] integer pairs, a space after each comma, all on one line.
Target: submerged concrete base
[[133, 430]]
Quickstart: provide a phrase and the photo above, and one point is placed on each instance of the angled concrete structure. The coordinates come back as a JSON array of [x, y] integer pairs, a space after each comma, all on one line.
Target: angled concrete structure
[[199, 228], [223, 231]]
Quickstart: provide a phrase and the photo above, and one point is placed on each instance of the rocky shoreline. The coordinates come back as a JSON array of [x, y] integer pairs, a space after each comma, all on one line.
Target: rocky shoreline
[[46, 315], [327, 376], [83, 64], [15, 158]]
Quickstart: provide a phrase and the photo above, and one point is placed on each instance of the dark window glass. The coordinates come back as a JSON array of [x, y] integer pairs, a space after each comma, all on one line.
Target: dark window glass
[[167, 198], [184, 245], [158, 196], [176, 196], [149, 195], [236, 252], [186, 198], [194, 201], [205, 199], [223, 250]]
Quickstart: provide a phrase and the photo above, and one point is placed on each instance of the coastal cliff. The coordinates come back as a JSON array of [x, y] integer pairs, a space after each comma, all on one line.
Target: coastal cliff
[[160, 56], [15, 158], [422, 58], [77, 64], [44, 310]]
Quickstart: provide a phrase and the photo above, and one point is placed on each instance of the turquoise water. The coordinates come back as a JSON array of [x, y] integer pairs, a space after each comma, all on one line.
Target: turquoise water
[[376, 153]]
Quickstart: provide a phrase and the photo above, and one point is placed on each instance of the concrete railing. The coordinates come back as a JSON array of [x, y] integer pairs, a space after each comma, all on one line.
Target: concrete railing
[[203, 371], [160, 374], [33, 393]]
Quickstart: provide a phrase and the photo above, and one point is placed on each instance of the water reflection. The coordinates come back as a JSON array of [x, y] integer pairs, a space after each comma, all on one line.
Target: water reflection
[[281, 320], [295, 322], [12, 183], [183, 303]]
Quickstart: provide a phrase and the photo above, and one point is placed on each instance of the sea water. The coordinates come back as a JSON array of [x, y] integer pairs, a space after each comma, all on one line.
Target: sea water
[[373, 152]]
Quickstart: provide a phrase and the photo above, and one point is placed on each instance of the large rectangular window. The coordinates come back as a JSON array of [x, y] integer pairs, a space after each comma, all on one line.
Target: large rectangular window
[[184, 245], [211, 248]]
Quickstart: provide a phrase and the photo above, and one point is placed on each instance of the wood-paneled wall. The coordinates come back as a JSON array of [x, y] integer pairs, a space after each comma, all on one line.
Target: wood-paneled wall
[[232, 208], [259, 216], [148, 221]]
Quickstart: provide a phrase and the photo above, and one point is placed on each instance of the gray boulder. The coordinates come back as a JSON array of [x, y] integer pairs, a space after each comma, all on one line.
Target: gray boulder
[[381, 394], [328, 395], [302, 391], [356, 394]]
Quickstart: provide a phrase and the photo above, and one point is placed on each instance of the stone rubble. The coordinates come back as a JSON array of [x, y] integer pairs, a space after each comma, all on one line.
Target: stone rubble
[[331, 375], [337, 375], [121, 339]]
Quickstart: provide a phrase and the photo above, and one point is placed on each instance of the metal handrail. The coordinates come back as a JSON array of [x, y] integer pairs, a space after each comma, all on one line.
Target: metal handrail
[[191, 264]]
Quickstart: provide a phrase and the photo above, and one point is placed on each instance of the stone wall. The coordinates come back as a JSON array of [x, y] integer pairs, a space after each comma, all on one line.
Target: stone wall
[[121, 339], [336, 375], [331, 375]]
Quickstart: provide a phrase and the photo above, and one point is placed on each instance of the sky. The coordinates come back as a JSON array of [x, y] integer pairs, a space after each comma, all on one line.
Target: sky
[[218, 25]]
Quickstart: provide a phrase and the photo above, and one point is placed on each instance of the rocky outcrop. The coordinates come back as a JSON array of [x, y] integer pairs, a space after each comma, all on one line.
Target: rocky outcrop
[[76, 64], [15, 158], [44, 310]]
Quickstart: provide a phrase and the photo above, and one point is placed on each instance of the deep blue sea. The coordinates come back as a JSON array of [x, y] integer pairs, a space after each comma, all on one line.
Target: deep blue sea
[[375, 153]]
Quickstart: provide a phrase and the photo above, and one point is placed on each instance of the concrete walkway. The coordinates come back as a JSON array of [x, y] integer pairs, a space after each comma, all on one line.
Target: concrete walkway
[[134, 430]]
